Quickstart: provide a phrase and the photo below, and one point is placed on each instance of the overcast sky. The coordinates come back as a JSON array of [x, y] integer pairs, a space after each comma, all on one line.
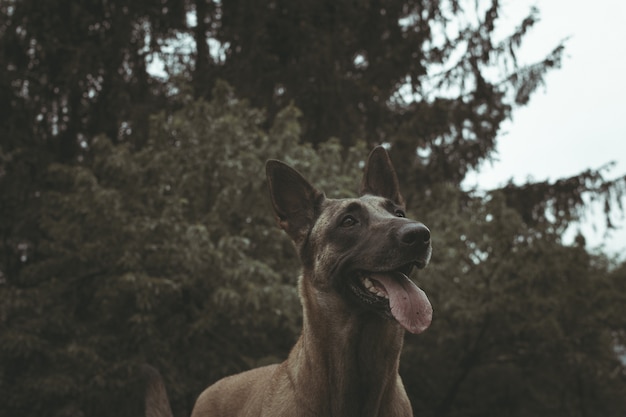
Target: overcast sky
[[578, 120]]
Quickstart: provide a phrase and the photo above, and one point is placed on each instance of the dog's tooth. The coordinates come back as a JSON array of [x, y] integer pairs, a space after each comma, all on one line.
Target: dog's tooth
[[369, 285], [376, 292]]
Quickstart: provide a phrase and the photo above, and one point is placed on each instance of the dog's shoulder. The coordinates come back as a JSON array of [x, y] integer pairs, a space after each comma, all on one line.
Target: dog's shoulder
[[232, 395]]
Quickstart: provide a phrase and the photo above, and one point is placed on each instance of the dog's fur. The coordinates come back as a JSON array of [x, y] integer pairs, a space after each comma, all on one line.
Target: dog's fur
[[357, 301]]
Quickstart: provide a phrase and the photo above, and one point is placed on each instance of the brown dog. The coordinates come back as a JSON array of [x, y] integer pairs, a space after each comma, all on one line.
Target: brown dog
[[357, 298]]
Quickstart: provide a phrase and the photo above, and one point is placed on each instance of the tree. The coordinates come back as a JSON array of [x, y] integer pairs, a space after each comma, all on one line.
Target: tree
[[132, 223], [428, 77], [521, 321], [414, 73], [62, 84], [68, 85], [149, 253], [165, 255]]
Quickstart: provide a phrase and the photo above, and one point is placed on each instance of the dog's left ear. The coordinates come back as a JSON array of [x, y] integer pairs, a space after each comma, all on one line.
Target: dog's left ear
[[379, 177]]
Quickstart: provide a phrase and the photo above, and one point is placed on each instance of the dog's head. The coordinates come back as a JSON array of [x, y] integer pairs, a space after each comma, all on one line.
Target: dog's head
[[361, 248]]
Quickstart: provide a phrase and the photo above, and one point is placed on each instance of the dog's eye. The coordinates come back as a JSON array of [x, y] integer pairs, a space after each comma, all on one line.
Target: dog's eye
[[348, 221], [400, 213]]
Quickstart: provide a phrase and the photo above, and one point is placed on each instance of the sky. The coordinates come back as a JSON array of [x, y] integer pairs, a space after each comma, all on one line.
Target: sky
[[577, 120]]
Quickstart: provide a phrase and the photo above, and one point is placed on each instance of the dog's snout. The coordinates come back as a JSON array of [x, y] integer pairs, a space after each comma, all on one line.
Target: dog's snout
[[414, 234]]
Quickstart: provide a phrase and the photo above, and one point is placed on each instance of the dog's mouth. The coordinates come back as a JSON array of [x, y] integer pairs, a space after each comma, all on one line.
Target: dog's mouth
[[395, 295]]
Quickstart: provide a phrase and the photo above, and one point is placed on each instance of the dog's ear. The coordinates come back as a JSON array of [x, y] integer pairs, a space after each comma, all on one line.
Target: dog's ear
[[293, 198], [379, 177]]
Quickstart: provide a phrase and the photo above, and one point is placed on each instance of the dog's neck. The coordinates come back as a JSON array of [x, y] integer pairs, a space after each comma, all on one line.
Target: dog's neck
[[345, 363]]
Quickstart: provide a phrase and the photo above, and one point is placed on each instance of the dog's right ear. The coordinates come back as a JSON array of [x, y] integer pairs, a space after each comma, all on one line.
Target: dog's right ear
[[293, 198]]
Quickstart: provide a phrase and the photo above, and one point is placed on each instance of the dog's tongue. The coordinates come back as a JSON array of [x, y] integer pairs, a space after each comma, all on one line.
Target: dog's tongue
[[409, 304]]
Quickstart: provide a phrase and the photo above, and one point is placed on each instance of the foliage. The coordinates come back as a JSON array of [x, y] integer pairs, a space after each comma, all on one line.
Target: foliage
[[169, 255], [563, 201], [426, 76], [135, 225], [423, 74], [61, 86], [150, 253], [524, 326]]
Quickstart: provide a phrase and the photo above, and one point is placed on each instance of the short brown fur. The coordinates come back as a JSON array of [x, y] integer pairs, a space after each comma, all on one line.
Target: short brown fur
[[345, 363]]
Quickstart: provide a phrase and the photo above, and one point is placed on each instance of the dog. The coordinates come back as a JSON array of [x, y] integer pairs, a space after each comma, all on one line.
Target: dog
[[356, 255]]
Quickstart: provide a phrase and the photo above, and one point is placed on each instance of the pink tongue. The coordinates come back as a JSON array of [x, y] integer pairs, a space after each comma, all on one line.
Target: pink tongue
[[409, 304]]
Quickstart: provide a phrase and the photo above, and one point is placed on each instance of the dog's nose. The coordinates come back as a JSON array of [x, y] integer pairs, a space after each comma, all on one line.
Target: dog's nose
[[414, 234]]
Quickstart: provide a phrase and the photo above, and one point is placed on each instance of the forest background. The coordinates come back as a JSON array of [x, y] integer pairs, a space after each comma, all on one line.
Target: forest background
[[135, 225]]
